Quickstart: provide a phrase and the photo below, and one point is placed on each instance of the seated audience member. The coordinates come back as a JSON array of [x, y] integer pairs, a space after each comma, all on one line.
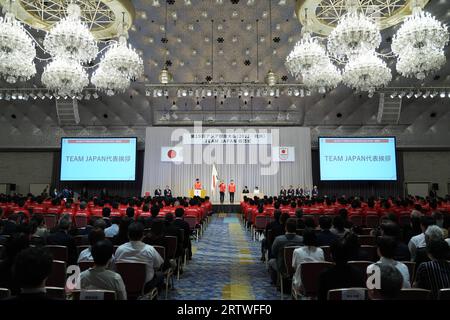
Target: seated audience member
[[308, 253], [325, 237], [156, 235], [10, 225], [432, 233], [94, 236], [13, 246], [130, 212], [290, 238], [137, 251], [183, 225], [341, 275], [154, 211], [418, 241], [106, 214], [391, 229], [277, 229], [99, 277], [61, 237], [122, 236], [386, 249], [355, 251], [310, 223], [435, 274], [343, 213], [171, 230], [40, 230], [31, 269], [339, 227], [113, 230], [300, 221], [391, 281]]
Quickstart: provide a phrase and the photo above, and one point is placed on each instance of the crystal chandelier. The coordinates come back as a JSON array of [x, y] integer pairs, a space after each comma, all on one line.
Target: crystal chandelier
[[366, 72], [66, 77], [70, 38], [419, 63], [322, 77], [17, 50], [306, 54], [111, 81], [122, 58], [354, 32]]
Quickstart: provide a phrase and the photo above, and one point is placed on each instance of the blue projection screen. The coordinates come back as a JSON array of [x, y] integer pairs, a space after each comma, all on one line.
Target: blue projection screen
[[98, 159], [371, 158]]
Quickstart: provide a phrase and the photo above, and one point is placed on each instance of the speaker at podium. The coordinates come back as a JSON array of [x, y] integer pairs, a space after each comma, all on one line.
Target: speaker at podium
[[197, 193]]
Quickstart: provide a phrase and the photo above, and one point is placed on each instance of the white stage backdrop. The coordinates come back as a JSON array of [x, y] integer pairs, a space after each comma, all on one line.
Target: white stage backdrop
[[177, 156]]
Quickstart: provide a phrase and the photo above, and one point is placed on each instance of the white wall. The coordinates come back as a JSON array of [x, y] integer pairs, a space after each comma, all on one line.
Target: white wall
[[23, 168], [424, 166]]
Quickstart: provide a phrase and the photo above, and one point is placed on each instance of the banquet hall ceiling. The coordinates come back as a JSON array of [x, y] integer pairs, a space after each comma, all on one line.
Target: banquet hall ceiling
[[219, 39]]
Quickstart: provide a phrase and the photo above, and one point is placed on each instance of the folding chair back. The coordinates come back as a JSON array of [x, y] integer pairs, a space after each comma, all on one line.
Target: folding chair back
[[58, 276], [94, 294], [310, 273], [414, 294], [372, 221], [361, 266], [260, 222], [288, 254], [133, 276], [4, 293], [192, 221], [348, 294], [59, 252], [367, 240], [171, 247], [357, 220], [50, 220], [81, 221], [444, 294], [161, 250], [81, 240], [370, 252]]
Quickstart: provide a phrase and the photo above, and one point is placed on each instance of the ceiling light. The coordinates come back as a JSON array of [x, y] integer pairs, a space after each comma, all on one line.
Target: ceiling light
[[410, 94], [165, 76], [426, 94], [271, 78], [442, 95], [417, 94], [393, 94]]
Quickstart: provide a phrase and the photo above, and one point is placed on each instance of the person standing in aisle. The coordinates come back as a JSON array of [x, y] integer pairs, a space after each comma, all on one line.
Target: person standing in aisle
[[222, 189], [232, 190]]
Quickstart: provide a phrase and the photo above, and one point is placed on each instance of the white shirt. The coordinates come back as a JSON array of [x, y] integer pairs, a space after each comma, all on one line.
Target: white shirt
[[99, 278], [137, 251], [301, 255], [85, 255], [400, 267], [415, 243], [112, 230], [448, 241]]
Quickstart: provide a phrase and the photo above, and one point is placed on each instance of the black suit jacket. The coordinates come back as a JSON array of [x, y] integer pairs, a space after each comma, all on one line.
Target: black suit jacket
[[183, 225], [167, 193], [326, 238], [158, 192]]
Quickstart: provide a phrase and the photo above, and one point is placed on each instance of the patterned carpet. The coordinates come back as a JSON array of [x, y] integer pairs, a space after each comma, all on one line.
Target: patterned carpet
[[225, 266]]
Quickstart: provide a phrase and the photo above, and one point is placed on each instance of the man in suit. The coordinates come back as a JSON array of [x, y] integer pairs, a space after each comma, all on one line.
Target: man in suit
[[183, 225], [158, 192], [31, 270], [291, 191], [245, 191], [167, 192], [283, 191], [290, 238], [299, 192], [62, 238]]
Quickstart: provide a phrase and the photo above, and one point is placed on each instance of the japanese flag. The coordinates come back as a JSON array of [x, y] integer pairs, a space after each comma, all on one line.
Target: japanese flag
[[283, 154], [171, 154]]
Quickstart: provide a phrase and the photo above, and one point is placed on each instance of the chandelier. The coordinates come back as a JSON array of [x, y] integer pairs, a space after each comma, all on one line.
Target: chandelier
[[322, 77], [419, 63], [366, 72], [122, 58], [307, 53], [17, 50], [110, 81], [355, 32], [66, 77], [70, 38]]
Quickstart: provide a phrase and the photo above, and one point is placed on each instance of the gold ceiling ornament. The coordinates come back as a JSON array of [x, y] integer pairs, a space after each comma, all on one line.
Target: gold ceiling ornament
[[323, 15], [103, 17]]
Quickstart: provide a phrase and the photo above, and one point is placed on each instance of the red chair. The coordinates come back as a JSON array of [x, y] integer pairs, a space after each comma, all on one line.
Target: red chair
[[50, 220], [59, 252], [361, 266], [81, 220], [348, 294], [365, 240], [56, 292], [310, 273], [192, 221], [133, 275], [4, 293], [414, 294], [327, 253], [372, 221], [85, 265], [58, 276], [259, 226], [357, 220]]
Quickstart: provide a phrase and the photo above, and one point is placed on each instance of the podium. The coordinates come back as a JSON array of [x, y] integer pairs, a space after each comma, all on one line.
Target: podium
[[197, 192]]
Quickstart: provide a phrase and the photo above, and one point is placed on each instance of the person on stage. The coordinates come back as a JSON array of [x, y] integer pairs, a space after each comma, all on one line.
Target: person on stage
[[167, 192], [315, 191], [291, 191], [256, 191], [222, 189], [232, 190], [283, 192], [197, 184], [299, 191], [245, 191], [158, 192]]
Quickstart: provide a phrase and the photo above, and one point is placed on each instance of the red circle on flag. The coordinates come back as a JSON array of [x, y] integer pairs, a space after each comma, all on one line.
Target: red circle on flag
[[171, 153]]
